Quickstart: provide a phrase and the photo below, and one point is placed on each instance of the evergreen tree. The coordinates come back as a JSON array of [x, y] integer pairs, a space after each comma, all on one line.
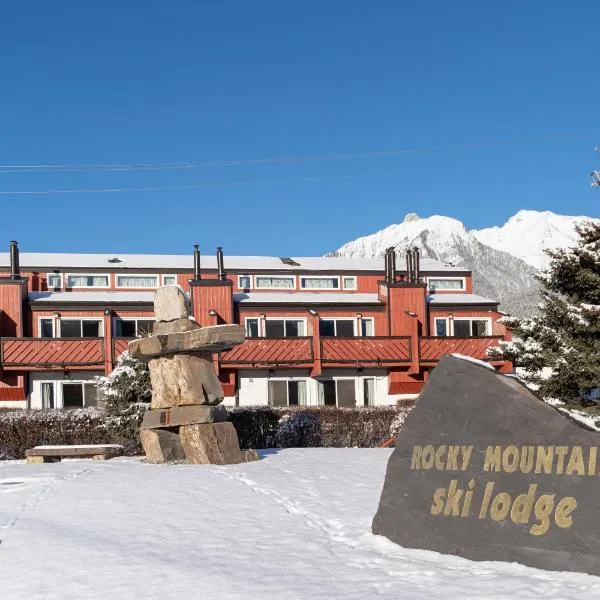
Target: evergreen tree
[[127, 389], [559, 348]]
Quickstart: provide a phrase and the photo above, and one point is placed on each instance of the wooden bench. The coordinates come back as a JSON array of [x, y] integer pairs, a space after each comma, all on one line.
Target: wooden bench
[[48, 454]]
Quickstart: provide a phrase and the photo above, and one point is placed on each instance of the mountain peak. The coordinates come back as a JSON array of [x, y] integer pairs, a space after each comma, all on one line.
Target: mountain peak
[[411, 217]]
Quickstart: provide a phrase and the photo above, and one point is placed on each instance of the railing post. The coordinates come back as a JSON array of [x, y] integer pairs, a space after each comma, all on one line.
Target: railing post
[[415, 354], [317, 367], [108, 342]]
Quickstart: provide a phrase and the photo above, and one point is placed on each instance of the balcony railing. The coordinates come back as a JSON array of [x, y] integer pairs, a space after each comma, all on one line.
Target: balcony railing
[[366, 351], [433, 348], [270, 351], [48, 353], [119, 345]]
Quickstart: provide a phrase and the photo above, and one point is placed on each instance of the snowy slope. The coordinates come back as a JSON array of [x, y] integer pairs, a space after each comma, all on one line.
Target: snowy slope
[[528, 233], [295, 525], [496, 274]]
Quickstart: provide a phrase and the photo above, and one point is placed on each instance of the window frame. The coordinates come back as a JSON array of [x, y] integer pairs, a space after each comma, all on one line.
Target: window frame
[[488, 321], [74, 318], [136, 319], [292, 277], [345, 287], [54, 287], [137, 287], [355, 324], [319, 289], [39, 327], [288, 380], [361, 319], [163, 275], [89, 287], [244, 287], [447, 321], [354, 380], [58, 393], [258, 327], [444, 289]]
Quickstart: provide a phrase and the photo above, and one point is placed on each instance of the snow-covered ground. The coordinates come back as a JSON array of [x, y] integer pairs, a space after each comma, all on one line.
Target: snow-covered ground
[[294, 525]]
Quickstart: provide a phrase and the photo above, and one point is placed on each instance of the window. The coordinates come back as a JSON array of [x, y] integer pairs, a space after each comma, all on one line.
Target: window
[[48, 395], [441, 327], [245, 282], [349, 282], [87, 280], [274, 282], [79, 394], [252, 327], [471, 327], [54, 280], [76, 328], [46, 327], [336, 327], [369, 391], [320, 283], [367, 326], [169, 279], [287, 392], [338, 392], [133, 327], [137, 281], [284, 328], [446, 283]]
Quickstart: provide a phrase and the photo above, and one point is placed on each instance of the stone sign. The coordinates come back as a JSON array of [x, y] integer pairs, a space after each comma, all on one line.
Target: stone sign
[[185, 421], [485, 470]]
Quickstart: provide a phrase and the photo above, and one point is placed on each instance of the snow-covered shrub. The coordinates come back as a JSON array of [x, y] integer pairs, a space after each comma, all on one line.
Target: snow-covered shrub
[[24, 429], [299, 429]]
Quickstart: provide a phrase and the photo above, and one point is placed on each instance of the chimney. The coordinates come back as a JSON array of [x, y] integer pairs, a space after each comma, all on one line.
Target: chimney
[[392, 265], [15, 272], [220, 268], [409, 266], [386, 258], [197, 275], [417, 264]]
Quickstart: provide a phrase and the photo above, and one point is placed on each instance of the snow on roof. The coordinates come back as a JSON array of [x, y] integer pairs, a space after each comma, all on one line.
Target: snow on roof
[[161, 262], [95, 297], [305, 298], [459, 299]]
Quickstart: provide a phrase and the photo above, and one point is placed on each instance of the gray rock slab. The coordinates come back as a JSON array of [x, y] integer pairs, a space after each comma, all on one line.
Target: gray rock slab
[[485, 470], [184, 415], [204, 340], [177, 326], [170, 303], [161, 445]]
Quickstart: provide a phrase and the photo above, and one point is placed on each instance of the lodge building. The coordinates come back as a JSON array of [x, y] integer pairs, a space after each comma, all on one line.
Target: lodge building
[[319, 331]]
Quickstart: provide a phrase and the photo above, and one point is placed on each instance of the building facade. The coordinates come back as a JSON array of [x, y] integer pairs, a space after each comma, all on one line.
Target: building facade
[[320, 331]]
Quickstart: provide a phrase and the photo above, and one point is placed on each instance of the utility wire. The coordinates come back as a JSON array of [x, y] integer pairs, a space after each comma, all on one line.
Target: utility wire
[[79, 168]]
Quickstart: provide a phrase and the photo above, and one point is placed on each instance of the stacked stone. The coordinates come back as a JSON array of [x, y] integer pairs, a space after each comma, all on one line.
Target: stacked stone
[[185, 420]]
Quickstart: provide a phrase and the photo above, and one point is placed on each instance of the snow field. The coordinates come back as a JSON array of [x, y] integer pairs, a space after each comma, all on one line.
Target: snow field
[[294, 525]]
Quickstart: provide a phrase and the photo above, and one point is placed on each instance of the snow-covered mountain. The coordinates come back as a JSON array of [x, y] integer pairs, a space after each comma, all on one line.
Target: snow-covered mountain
[[503, 267], [528, 233]]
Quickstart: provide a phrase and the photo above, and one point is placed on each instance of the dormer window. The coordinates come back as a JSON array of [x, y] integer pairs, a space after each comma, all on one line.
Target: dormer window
[[441, 284], [54, 280], [87, 280], [320, 283]]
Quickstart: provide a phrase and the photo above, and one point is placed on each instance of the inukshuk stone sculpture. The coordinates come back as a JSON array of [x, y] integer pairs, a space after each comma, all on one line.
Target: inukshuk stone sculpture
[[185, 419]]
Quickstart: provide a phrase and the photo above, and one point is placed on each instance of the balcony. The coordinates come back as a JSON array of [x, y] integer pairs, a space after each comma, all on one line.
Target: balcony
[[51, 353], [433, 348], [365, 351], [270, 352]]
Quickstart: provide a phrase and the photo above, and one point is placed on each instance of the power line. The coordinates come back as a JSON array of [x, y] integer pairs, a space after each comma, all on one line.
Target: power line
[[169, 187], [110, 167]]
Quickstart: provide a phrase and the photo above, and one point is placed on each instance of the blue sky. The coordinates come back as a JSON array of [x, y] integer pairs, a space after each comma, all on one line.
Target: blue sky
[[497, 104]]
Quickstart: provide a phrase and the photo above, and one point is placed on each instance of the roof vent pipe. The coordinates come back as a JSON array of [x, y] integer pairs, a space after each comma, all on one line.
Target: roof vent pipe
[[417, 264], [392, 265], [409, 266], [15, 272], [386, 258], [197, 275], [220, 268]]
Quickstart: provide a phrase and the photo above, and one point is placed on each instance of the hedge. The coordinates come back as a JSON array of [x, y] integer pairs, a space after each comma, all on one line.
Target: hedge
[[257, 427]]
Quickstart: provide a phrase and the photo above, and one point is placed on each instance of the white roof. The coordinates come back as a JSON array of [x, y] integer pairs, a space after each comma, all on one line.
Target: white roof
[[305, 298], [165, 262], [95, 297], [459, 299]]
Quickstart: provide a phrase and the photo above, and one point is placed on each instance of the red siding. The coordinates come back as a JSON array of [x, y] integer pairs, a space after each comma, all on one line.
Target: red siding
[[270, 351], [44, 353], [432, 349], [365, 350]]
